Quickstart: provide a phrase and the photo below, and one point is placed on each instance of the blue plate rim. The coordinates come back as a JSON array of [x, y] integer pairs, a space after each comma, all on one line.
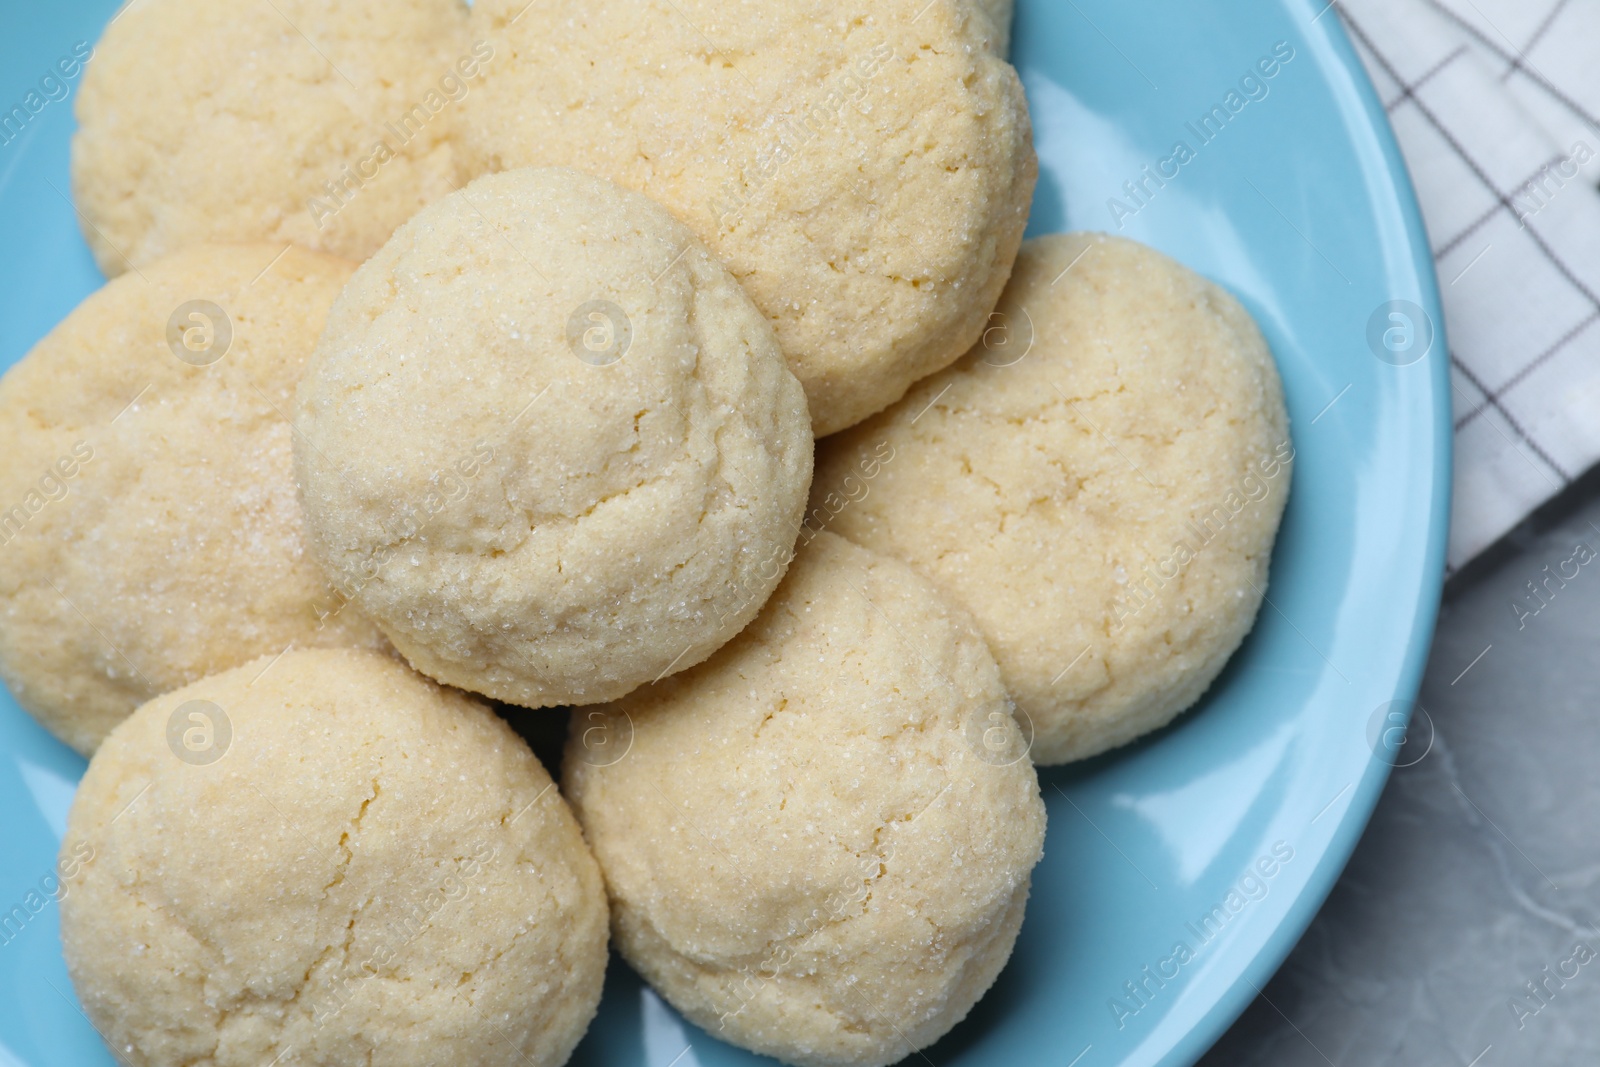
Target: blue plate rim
[[1424, 599]]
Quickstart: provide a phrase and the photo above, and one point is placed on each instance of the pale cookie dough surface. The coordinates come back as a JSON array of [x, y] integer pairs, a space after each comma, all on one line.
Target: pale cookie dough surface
[[149, 531], [864, 172], [225, 120], [359, 867], [1105, 504], [813, 850], [529, 509], [1001, 13]]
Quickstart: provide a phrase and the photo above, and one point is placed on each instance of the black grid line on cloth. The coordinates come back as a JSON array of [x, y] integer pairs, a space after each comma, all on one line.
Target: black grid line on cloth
[[1542, 29], [1482, 220], [1542, 358], [1511, 420], [1527, 68], [1472, 164], [1407, 92], [1488, 183], [1492, 398], [1477, 224], [1473, 227]]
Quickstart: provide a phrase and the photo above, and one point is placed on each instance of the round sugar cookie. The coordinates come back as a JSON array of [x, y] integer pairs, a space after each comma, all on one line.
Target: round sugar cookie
[[818, 843], [549, 445], [322, 124], [1099, 481], [323, 861], [865, 175], [149, 531]]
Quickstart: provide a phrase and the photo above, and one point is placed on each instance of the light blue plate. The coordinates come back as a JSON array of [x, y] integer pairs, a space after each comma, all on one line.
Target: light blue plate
[[1299, 205]]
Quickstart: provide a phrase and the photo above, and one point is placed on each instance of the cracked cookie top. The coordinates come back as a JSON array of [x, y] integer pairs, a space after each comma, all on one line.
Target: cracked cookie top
[[148, 519], [864, 171], [1099, 481], [548, 444], [321, 124], [819, 841], [326, 859]]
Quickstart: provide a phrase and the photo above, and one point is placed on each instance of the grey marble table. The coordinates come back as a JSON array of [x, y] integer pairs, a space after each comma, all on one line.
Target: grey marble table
[[1463, 931]]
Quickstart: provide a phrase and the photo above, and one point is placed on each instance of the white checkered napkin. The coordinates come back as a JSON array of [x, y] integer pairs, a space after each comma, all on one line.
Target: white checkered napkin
[[1495, 105]]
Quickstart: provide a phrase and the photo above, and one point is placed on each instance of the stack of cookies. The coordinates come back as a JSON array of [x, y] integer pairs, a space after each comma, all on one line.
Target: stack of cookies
[[676, 362]]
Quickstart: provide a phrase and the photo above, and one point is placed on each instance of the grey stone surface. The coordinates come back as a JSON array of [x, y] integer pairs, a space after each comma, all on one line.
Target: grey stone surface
[[1463, 930]]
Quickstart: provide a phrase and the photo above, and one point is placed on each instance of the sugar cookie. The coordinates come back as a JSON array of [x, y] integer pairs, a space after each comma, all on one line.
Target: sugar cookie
[[866, 174], [322, 124], [149, 532], [323, 861], [819, 842], [1099, 482], [548, 443]]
